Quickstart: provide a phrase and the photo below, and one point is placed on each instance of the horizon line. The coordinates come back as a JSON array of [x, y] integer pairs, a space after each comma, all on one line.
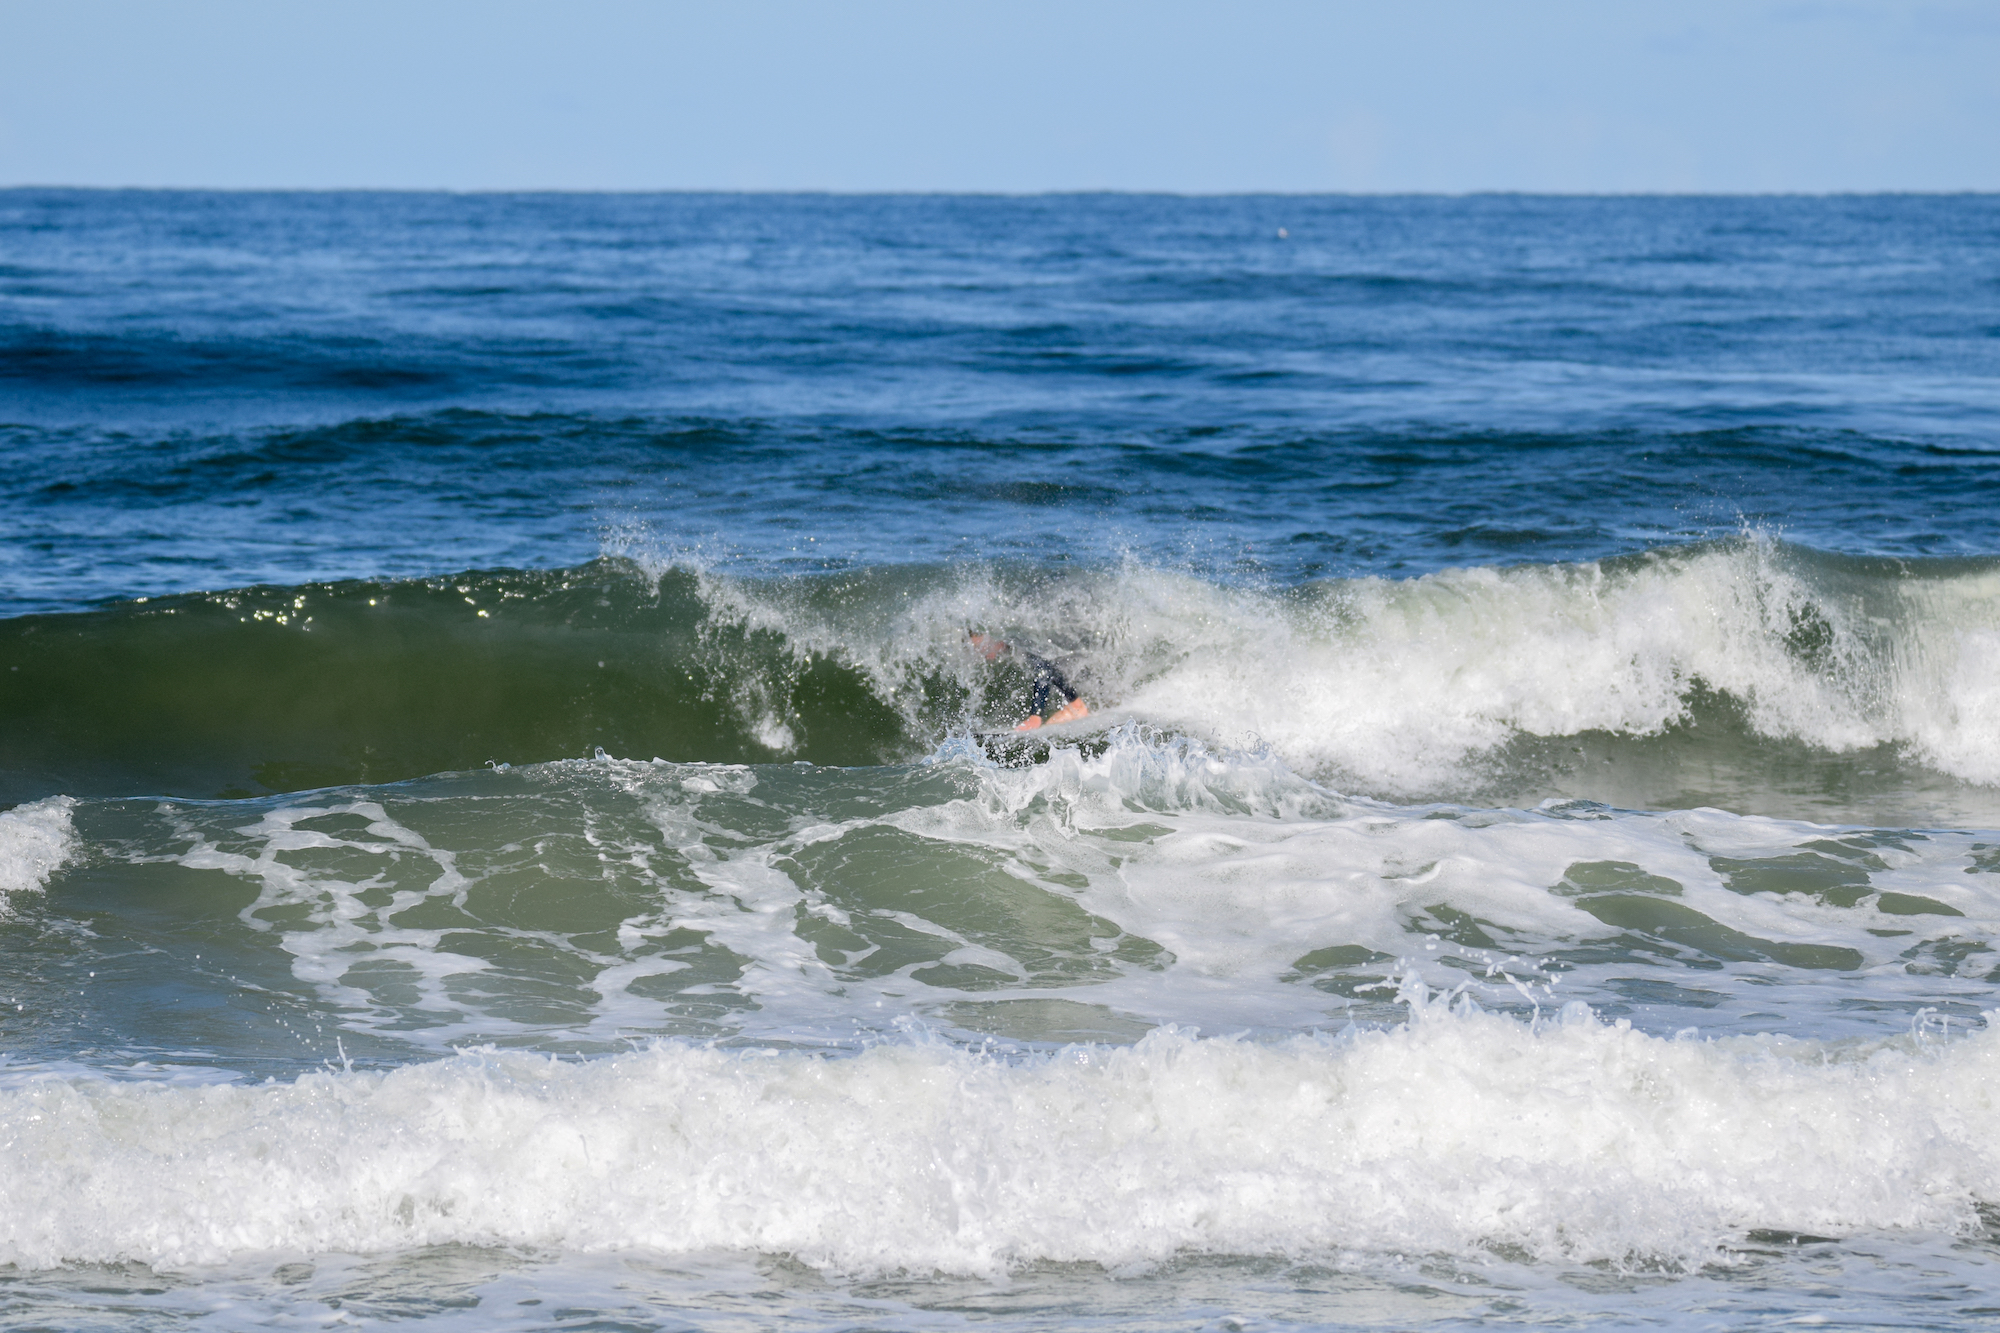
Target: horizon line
[[824, 192]]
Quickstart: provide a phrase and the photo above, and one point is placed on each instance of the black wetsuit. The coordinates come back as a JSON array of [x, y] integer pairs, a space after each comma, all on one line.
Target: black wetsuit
[[1048, 681]]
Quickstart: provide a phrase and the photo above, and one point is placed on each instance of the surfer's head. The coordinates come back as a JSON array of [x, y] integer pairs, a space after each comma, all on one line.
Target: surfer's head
[[986, 645]]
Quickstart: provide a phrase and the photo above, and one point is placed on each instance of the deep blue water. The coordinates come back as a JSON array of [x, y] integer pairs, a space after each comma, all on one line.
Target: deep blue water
[[483, 693], [206, 390]]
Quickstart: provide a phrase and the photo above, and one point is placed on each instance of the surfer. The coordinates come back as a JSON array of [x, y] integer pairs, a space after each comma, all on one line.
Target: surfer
[[1048, 683]]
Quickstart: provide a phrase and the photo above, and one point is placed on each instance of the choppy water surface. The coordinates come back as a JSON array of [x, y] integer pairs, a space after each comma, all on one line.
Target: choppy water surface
[[504, 828]]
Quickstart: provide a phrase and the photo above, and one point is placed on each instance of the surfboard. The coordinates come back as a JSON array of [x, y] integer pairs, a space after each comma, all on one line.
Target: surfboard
[[1103, 719]]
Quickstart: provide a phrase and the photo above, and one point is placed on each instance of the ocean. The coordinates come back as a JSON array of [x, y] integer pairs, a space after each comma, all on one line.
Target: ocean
[[502, 825]]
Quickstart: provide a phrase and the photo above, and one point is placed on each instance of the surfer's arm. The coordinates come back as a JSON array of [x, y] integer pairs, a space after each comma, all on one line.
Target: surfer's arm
[[1047, 681], [1070, 711]]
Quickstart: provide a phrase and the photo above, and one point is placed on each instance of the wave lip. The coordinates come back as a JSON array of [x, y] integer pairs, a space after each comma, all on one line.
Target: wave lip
[[1457, 1132]]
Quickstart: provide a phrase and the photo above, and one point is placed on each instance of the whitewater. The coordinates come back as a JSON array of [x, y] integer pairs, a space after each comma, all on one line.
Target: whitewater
[[501, 824]]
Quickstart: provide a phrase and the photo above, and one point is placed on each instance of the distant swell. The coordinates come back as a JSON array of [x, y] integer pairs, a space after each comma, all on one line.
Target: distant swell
[[47, 359]]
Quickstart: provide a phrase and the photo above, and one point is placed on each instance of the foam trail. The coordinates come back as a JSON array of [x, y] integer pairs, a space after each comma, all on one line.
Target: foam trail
[[1457, 1131], [35, 840], [1104, 891]]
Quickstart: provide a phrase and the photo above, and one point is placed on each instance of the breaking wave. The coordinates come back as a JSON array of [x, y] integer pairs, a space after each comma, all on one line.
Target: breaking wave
[[1457, 1132], [1710, 671]]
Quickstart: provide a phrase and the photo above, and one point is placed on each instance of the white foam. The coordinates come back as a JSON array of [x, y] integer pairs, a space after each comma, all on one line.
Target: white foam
[[35, 840], [1239, 868], [1404, 686], [1173, 883], [334, 919], [774, 735], [1457, 1131]]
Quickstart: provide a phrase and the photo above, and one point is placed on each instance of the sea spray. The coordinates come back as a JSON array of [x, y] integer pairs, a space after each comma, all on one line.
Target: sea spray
[[35, 840]]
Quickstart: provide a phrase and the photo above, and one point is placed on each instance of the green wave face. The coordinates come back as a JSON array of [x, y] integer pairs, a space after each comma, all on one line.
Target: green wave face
[[279, 689]]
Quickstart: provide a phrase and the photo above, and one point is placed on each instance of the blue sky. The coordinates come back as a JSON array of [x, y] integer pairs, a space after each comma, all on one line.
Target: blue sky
[[1426, 95]]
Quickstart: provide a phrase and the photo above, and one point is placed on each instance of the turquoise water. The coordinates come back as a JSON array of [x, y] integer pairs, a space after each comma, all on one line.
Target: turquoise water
[[504, 828]]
